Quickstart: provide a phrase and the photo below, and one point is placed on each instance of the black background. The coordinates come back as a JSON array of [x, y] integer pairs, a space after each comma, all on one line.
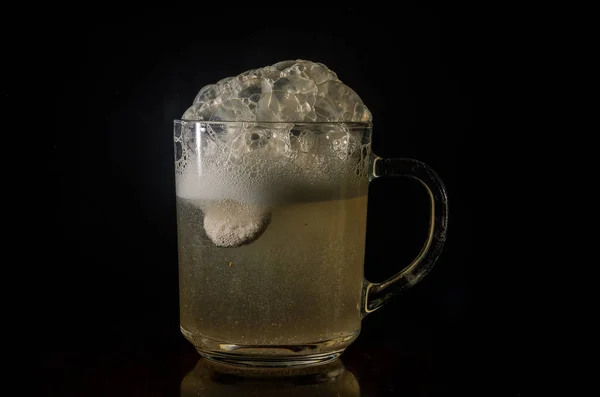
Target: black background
[[121, 84]]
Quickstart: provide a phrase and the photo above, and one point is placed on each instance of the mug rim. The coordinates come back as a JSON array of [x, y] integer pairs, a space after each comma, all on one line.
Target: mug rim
[[239, 122]]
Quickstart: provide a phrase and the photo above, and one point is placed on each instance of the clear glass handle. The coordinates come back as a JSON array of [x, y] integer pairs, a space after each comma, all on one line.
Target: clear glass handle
[[376, 294]]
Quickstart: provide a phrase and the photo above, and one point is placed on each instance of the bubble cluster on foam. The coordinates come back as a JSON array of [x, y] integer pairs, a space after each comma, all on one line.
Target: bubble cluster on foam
[[300, 91]]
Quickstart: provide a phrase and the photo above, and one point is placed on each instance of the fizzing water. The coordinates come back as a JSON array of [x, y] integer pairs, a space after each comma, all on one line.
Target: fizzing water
[[298, 283], [272, 215]]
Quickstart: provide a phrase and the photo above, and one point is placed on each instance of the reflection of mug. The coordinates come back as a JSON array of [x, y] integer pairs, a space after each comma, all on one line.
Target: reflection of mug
[[271, 229], [209, 379]]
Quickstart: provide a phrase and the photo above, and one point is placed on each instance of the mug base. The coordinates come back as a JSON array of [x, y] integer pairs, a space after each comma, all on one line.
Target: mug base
[[250, 361], [270, 356]]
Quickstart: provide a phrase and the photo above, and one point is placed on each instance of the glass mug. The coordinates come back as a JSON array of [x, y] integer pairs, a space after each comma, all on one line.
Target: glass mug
[[271, 221]]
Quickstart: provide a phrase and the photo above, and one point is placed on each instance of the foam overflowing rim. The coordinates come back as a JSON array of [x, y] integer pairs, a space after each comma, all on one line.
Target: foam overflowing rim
[[295, 123]]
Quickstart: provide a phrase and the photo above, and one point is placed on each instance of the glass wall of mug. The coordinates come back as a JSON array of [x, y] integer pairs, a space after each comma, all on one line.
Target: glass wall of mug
[[271, 229]]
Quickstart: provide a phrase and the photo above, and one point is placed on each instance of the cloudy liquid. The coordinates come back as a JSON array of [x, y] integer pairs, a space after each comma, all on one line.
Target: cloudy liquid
[[299, 283]]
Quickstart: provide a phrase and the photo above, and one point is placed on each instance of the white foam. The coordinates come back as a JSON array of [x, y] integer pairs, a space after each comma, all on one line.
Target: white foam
[[270, 183], [238, 171], [297, 90], [303, 166]]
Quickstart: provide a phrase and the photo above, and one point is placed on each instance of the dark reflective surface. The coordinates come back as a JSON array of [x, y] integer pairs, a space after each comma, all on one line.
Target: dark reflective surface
[[384, 361]]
